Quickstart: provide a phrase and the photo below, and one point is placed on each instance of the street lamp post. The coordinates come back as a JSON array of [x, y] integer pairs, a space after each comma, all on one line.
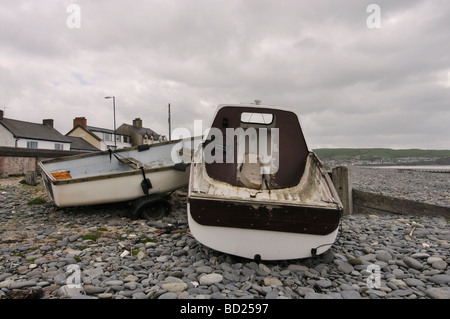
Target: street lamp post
[[114, 110], [170, 126]]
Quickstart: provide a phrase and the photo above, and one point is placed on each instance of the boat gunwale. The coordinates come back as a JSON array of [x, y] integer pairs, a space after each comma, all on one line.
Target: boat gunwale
[[108, 152], [252, 201], [54, 181], [334, 200], [328, 180], [105, 176]]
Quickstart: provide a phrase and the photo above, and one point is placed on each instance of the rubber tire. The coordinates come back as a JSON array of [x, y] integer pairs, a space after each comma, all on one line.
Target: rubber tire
[[150, 208], [153, 212]]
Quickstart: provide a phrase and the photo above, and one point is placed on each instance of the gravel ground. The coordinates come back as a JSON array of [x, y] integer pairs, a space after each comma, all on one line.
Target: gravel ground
[[98, 252], [427, 187]]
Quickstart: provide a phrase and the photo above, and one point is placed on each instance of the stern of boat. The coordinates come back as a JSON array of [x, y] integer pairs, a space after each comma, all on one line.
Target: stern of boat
[[236, 207]]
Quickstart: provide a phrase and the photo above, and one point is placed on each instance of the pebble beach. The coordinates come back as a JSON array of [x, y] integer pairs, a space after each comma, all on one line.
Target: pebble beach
[[100, 253]]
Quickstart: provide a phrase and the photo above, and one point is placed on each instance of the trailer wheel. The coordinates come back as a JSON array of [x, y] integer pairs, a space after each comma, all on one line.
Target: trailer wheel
[[150, 208], [154, 212]]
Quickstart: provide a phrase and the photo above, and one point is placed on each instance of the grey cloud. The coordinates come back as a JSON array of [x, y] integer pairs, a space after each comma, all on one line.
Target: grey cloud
[[351, 84]]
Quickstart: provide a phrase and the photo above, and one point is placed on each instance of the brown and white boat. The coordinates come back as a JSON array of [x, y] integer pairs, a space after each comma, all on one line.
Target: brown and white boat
[[257, 191]]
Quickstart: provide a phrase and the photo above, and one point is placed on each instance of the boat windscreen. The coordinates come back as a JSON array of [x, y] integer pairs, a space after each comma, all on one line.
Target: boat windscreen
[[257, 118]]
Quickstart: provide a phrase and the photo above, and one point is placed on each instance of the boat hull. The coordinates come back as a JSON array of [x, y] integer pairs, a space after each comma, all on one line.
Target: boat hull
[[110, 189], [121, 175], [292, 218], [260, 244]]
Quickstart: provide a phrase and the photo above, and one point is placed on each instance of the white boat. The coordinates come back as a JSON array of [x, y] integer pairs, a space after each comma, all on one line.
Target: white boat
[[246, 202], [142, 173]]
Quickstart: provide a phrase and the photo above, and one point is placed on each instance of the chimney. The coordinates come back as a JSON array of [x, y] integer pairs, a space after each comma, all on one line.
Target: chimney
[[1, 114], [79, 121], [48, 122], [137, 122]]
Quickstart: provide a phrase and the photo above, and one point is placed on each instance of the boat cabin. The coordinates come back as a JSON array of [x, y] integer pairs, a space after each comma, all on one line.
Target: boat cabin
[[244, 161]]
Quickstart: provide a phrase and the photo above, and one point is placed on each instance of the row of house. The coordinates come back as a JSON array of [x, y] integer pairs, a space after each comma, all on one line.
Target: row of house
[[21, 134]]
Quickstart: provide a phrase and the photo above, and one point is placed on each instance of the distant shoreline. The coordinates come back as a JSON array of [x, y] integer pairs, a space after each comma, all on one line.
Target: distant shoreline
[[413, 163], [383, 157], [438, 162], [423, 168]]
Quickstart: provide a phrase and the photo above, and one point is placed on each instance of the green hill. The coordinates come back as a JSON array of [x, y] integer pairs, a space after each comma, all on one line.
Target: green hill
[[377, 153]]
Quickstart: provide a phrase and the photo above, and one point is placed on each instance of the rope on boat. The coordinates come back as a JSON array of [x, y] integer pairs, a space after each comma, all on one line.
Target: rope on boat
[[314, 250]]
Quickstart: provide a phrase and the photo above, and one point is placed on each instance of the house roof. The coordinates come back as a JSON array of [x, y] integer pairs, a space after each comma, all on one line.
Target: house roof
[[102, 130], [142, 130], [99, 129], [84, 129], [22, 129], [81, 144]]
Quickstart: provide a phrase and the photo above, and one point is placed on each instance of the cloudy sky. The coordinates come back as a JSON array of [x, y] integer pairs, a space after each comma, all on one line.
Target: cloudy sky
[[358, 76]]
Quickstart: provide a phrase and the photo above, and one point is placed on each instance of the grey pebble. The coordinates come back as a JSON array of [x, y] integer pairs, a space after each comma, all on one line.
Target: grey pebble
[[75, 237], [168, 295], [346, 268], [350, 294], [314, 295], [439, 264], [402, 292], [113, 283], [210, 279], [139, 295], [412, 262], [324, 283], [438, 293], [413, 282], [440, 279], [203, 270], [383, 255], [93, 290], [22, 284], [163, 254]]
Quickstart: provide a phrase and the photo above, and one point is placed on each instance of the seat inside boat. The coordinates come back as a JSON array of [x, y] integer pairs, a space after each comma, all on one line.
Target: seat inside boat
[[280, 165]]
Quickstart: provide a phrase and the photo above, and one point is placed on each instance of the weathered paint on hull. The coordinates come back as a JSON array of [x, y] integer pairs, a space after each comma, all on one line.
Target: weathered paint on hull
[[264, 216], [112, 188], [263, 244]]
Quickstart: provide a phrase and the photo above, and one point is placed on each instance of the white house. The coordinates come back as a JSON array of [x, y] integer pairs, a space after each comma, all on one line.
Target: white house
[[15, 133], [101, 138]]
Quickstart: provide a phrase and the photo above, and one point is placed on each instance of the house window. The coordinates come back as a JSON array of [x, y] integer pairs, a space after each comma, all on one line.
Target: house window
[[32, 144], [59, 146], [107, 137]]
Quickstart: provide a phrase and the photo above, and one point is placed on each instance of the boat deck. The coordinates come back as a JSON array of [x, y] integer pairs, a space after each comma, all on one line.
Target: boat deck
[[312, 190]]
